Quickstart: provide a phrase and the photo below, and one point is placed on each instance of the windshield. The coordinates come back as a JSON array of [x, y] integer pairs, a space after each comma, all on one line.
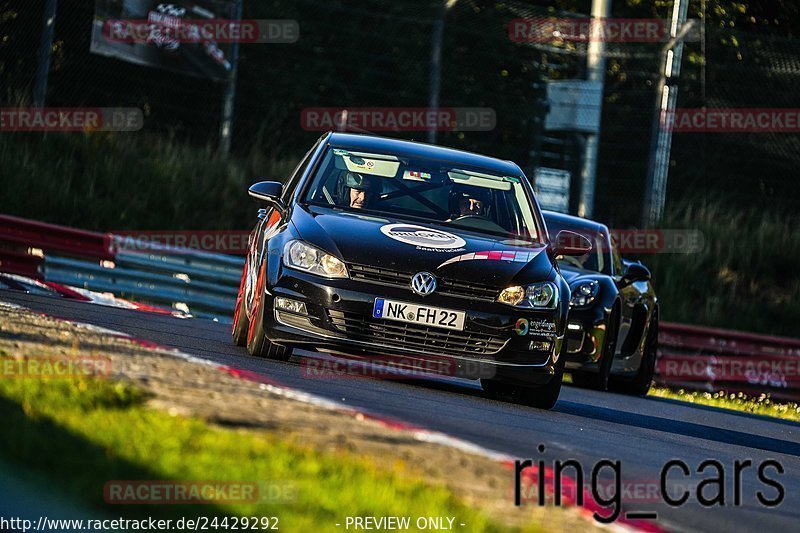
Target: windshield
[[425, 189]]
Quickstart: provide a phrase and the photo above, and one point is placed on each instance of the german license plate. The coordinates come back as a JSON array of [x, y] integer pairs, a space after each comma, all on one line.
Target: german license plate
[[419, 314]]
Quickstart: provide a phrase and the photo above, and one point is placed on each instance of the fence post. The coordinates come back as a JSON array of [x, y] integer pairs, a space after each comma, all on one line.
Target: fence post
[[45, 50], [436, 66], [666, 101], [596, 71], [229, 98]]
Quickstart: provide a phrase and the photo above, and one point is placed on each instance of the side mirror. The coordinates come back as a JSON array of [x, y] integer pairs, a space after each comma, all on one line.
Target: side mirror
[[635, 272], [268, 192], [570, 243]]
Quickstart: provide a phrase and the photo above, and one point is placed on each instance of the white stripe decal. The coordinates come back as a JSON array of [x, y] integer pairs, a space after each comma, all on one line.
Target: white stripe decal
[[519, 256]]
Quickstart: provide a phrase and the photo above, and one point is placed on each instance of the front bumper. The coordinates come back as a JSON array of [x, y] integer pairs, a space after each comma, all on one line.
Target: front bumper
[[338, 317]]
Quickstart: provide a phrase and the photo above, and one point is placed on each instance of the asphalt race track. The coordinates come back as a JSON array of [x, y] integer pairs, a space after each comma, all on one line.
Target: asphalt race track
[[644, 434]]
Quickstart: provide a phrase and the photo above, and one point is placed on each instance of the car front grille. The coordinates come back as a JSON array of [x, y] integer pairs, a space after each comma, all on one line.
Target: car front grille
[[444, 286], [400, 336]]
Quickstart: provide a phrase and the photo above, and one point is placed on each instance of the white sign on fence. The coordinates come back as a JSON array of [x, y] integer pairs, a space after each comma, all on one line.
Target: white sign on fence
[[574, 106], [552, 188]]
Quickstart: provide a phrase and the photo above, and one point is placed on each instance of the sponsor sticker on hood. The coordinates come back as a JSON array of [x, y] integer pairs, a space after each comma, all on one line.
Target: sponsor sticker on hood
[[422, 237], [495, 255]]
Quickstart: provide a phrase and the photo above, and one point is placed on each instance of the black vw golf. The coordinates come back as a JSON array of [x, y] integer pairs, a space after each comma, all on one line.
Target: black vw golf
[[379, 247]]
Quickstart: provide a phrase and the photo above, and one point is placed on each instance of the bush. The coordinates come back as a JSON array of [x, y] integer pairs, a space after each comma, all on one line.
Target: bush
[[746, 276], [108, 181]]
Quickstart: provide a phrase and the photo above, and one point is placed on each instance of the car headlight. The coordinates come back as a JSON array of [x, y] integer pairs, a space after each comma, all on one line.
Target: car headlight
[[584, 293], [542, 295], [302, 256]]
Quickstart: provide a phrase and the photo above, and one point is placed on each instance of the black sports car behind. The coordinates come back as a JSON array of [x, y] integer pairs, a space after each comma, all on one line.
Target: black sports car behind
[[612, 333]]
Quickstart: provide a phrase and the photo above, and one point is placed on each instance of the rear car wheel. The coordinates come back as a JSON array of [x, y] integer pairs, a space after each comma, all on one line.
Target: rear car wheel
[[599, 380], [639, 385], [257, 342]]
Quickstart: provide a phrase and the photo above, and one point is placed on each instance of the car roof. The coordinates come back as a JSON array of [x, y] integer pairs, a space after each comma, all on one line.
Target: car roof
[[575, 222], [376, 144]]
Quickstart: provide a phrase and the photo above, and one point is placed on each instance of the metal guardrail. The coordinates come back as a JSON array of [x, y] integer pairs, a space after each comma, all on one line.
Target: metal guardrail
[[20, 263], [171, 288], [712, 359], [203, 283], [222, 272], [52, 238]]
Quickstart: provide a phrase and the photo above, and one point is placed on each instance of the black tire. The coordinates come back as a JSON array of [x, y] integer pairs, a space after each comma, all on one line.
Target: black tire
[[542, 397], [599, 380], [257, 342], [639, 385], [240, 321]]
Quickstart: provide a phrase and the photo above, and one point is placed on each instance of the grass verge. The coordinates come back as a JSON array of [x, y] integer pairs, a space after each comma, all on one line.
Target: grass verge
[[132, 181], [763, 405], [745, 277], [84, 432]]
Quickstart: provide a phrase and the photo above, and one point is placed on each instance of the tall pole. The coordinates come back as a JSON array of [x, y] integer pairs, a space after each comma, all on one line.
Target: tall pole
[[666, 101], [596, 72], [436, 66], [229, 98], [45, 51]]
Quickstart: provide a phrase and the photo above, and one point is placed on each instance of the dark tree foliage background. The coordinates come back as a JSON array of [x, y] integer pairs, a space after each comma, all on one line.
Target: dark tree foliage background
[[377, 53]]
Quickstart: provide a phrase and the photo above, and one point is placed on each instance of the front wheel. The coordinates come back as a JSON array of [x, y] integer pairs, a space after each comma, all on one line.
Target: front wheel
[[241, 324], [599, 380], [639, 385], [542, 397], [257, 342]]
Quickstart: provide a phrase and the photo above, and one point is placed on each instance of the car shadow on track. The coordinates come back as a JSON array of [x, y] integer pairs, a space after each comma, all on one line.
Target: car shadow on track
[[741, 414], [362, 368], [680, 427]]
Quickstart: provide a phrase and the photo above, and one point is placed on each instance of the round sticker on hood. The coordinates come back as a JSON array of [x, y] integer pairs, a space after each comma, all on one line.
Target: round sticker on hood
[[422, 236]]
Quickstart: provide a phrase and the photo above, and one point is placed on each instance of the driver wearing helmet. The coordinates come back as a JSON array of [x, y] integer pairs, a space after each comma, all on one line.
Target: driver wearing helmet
[[467, 200], [359, 190]]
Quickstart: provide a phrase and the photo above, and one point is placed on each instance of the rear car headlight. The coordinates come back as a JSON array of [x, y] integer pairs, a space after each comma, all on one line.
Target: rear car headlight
[[542, 295], [584, 293], [302, 256]]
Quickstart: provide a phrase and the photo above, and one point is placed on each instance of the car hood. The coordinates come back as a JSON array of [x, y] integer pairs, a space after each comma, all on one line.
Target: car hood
[[386, 242], [574, 275]]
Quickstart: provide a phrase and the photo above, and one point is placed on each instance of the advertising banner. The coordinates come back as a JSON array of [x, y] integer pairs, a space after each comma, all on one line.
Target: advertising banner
[[192, 37]]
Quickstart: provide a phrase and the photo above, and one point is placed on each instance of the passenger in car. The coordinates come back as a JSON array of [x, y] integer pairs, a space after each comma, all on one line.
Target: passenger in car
[[469, 201]]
